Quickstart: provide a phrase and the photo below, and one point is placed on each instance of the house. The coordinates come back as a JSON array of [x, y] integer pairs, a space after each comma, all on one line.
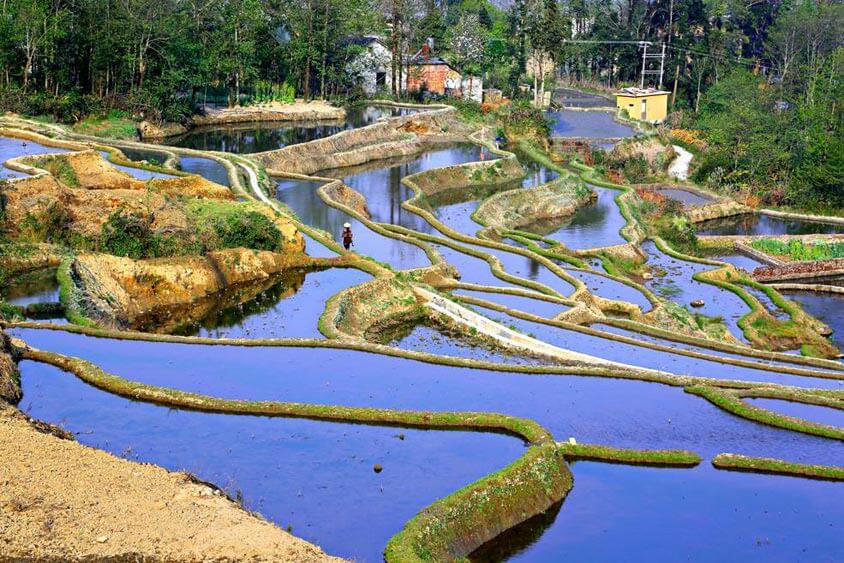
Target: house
[[371, 68], [436, 75], [644, 104]]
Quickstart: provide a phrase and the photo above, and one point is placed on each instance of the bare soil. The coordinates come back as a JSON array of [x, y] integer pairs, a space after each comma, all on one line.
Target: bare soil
[[62, 501]]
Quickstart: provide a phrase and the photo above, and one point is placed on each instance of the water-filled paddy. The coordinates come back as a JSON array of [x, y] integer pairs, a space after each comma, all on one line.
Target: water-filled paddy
[[608, 411], [673, 279], [245, 138], [742, 261], [616, 513], [303, 199], [205, 167], [686, 197], [587, 124], [533, 306], [813, 413], [289, 309], [11, 147], [827, 307], [40, 286], [758, 224], [137, 173], [315, 477], [596, 225]]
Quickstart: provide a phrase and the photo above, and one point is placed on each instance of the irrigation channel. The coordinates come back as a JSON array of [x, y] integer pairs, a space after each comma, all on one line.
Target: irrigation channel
[[313, 472]]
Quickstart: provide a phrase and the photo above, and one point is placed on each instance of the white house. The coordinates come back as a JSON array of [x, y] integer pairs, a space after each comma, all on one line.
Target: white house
[[371, 69]]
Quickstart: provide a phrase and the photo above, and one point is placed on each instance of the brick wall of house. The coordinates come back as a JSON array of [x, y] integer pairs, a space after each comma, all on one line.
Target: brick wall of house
[[432, 75]]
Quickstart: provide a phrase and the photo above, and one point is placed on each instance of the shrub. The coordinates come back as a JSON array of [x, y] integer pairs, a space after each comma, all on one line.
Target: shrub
[[249, 230], [130, 235], [48, 225]]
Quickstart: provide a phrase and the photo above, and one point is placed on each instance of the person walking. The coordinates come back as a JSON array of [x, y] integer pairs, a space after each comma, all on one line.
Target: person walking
[[348, 238]]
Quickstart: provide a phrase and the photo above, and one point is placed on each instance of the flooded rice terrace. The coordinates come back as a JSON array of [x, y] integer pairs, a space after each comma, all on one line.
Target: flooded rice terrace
[[325, 337]]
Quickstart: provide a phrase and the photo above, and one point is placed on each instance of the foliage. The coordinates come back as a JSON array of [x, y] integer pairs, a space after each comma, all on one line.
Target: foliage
[[233, 225], [799, 250], [130, 235], [49, 224], [114, 124]]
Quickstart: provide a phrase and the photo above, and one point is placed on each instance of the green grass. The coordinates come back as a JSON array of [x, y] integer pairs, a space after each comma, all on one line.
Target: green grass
[[737, 462], [666, 458], [114, 125], [799, 250], [60, 169]]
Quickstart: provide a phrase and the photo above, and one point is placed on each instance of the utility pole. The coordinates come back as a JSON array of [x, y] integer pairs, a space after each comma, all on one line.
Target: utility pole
[[652, 56], [644, 62]]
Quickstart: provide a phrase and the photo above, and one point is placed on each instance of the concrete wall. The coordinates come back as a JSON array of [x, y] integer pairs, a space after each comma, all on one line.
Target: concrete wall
[[656, 106]]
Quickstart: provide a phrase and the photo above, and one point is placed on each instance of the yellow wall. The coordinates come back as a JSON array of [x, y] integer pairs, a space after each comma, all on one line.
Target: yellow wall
[[656, 106]]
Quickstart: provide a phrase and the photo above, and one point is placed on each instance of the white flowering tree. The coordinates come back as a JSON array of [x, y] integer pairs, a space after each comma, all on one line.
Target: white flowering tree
[[467, 41]]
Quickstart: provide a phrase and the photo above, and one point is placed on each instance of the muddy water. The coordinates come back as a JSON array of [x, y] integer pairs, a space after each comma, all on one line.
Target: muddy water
[[13, 148], [315, 477], [756, 224], [259, 137], [678, 286], [596, 225], [591, 124], [618, 513], [290, 309], [302, 198]]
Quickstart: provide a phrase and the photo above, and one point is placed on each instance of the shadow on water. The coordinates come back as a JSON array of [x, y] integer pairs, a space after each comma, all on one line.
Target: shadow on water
[[516, 540], [827, 307], [757, 224]]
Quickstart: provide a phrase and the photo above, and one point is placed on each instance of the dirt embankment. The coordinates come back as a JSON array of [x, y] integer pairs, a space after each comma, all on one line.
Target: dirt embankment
[[341, 193], [10, 389], [518, 208], [62, 501], [161, 294], [472, 175], [396, 137], [316, 110]]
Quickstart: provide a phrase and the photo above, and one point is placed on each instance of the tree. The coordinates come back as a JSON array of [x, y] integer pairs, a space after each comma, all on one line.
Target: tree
[[467, 43]]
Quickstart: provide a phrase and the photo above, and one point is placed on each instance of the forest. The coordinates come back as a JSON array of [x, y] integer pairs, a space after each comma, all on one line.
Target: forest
[[758, 84]]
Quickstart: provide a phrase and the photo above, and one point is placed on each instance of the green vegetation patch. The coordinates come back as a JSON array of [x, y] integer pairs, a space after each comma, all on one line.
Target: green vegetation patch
[[60, 168], [800, 250], [736, 462], [115, 124], [666, 458], [231, 225]]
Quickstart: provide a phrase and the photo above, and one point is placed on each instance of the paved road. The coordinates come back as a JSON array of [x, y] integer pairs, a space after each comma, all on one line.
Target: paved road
[[568, 97]]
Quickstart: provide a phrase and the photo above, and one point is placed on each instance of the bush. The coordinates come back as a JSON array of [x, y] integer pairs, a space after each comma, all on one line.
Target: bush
[[679, 231], [249, 230], [49, 225], [130, 235]]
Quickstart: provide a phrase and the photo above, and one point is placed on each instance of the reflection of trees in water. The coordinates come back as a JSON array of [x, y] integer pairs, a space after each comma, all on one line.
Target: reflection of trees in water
[[754, 224]]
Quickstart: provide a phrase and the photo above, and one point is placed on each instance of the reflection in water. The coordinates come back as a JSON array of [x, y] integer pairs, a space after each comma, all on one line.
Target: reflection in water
[[207, 168], [13, 148], [245, 138], [518, 539], [588, 124], [826, 307], [758, 224], [289, 309], [151, 156], [40, 286], [626, 513], [596, 225]]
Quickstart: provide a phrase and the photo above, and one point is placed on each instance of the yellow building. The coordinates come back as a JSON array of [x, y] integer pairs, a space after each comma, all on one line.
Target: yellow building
[[644, 104]]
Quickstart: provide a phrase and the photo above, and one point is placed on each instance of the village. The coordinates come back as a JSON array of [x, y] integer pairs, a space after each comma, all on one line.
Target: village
[[421, 280]]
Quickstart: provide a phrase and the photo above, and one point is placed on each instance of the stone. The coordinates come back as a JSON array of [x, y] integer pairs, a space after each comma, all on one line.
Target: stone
[[377, 468], [697, 303]]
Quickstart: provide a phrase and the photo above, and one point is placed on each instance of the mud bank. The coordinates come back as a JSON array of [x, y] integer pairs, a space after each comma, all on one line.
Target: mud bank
[[514, 209], [162, 294], [10, 388], [142, 512], [399, 136]]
